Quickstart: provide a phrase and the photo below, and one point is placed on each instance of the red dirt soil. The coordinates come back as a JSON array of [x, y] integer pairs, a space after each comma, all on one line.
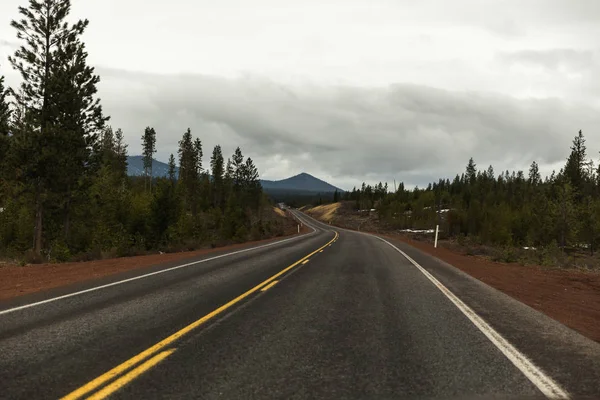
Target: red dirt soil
[[571, 297], [16, 281]]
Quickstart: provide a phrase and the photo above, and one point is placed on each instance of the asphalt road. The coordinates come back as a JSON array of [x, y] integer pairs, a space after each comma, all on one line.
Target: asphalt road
[[330, 314]]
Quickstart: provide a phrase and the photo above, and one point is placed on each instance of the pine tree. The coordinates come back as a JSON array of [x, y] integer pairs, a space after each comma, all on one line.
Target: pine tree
[[471, 171], [252, 186], [172, 171], [203, 188], [120, 148], [188, 170], [58, 117], [199, 155], [237, 164], [490, 173], [534, 174], [336, 196], [227, 182], [575, 167], [217, 171], [148, 150], [113, 153]]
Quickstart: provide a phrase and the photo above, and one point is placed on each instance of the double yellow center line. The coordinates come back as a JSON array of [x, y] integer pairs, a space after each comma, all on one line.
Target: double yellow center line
[[158, 347]]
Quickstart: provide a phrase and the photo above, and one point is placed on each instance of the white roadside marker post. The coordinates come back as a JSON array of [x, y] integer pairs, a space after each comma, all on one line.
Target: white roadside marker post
[[436, 236]]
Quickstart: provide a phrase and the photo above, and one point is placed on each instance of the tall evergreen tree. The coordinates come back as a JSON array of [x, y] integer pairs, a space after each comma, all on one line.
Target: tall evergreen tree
[[56, 102], [217, 172], [199, 155], [114, 152], [534, 174], [575, 167], [490, 173], [148, 150], [227, 181], [188, 170], [252, 186], [172, 170], [120, 148], [237, 164], [471, 172]]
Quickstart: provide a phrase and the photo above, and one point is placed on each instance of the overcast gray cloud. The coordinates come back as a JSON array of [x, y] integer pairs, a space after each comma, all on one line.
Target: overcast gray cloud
[[349, 90]]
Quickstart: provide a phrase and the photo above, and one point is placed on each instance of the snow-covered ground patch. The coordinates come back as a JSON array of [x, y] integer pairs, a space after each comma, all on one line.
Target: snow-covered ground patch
[[418, 230]]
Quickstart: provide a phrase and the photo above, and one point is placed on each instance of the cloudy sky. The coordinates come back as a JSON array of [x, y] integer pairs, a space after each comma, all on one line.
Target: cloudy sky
[[349, 90]]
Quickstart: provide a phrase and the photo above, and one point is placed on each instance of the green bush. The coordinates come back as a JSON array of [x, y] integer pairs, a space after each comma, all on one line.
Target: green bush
[[241, 234], [59, 251]]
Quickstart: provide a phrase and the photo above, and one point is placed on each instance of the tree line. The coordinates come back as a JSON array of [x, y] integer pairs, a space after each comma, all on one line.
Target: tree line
[[506, 209], [64, 188]]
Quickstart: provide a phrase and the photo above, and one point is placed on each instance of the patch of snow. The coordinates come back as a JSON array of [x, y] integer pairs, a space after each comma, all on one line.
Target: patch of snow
[[418, 230]]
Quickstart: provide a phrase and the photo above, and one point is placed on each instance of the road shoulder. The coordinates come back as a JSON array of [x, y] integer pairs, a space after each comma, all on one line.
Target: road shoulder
[[16, 281]]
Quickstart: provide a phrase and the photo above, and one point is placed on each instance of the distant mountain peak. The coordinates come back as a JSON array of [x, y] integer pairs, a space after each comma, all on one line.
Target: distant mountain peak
[[302, 182]]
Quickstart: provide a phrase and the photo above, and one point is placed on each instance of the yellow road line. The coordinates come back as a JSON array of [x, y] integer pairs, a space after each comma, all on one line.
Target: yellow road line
[[119, 369], [269, 286], [320, 251], [125, 379], [305, 261]]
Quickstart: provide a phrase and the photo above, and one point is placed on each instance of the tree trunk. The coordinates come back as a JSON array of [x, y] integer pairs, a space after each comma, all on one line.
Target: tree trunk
[[37, 236], [68, 217]]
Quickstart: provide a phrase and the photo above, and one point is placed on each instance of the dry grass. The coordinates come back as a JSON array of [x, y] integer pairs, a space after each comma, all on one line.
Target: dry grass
[[325, 212], [279, 211]]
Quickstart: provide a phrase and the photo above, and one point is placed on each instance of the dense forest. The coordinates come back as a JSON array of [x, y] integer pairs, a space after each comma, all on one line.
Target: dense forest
[[508, 209], [64, 189]]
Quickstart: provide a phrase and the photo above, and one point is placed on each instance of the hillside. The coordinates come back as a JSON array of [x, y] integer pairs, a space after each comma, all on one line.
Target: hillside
[[302, 182]]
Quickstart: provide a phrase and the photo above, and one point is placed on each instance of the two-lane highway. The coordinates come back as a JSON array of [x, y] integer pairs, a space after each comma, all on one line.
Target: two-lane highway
[[330, 314]]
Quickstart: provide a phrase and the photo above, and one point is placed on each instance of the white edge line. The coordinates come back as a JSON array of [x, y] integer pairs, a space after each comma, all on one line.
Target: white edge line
[[135, 278], [543, 382]]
